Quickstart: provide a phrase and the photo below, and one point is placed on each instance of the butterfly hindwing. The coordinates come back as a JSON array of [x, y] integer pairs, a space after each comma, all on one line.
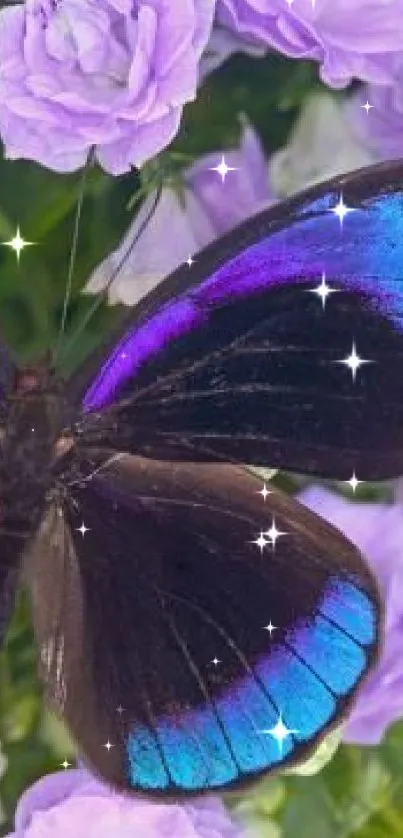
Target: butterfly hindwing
[[158, 624], [237, 359]]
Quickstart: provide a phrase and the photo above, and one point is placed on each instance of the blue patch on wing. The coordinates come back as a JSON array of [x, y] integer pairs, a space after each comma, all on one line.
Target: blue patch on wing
[[333, 656], [145, 762], [299, 682], [304, 702], [351, 609]]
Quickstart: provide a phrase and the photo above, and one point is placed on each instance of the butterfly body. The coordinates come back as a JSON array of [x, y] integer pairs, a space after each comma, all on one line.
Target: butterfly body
[[193, 634], [33, 418]]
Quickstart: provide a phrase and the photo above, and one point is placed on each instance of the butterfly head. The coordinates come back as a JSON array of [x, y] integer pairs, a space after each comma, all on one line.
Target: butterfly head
[[35, 379]]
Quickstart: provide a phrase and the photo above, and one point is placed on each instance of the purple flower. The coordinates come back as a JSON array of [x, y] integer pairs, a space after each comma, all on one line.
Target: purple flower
[[377, 529], [73, 804], [113, 74], [184, 223], [381, 128], [350, 38]]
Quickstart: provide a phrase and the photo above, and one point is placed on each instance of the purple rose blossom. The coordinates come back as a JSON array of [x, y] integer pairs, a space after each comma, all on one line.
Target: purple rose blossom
[[183, 224], [377, 529], [73, 804], [350, 38], [113, 74]]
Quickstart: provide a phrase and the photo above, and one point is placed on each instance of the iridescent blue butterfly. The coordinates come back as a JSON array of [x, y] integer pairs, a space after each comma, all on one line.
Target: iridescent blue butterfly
[[187, 644]]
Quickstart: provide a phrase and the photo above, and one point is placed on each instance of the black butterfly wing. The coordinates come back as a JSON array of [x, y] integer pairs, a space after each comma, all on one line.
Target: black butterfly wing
[[153, 613], [242, 359]]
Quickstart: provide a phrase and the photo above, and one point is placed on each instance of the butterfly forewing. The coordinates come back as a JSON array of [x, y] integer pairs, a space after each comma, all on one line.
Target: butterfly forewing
[[242, 359], [178, 676]]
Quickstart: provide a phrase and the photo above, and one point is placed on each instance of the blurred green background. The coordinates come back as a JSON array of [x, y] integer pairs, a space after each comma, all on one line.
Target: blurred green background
[[359, 793]]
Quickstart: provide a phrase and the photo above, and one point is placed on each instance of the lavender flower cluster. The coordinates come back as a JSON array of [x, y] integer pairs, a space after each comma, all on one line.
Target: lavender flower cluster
[[114, 75]]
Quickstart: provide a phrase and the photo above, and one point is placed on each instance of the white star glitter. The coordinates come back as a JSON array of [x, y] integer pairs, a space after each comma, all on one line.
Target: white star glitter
[[189, 261], [353, 361], [270, 628], [215, 661], [17, 243], [353, 482], [279, 732], [83, 529], [323, 290], [273, 533], [223, 169], [367, 107], [341, 210], [108, 745], [120, 709], [261, 542], [264, 492], [65, 764]]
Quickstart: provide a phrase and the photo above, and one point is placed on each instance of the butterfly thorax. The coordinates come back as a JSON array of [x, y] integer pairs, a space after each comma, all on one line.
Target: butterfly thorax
[[33, 421]]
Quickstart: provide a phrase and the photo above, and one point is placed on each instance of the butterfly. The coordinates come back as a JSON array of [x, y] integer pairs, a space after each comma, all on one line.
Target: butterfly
[[193, 634]]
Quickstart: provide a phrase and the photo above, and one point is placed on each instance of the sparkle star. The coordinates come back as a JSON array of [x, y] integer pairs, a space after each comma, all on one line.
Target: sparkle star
[[341, 210], [83, 529], [65, 764], [120, 709], [215, 661], [367, 107], [273, 533], [264, 492], [353, 482], [260, 542], [270, 628], [17, 243], [323, 290], [108, 745], [223, 169], [353, 361], [189, 261], [279, 732]]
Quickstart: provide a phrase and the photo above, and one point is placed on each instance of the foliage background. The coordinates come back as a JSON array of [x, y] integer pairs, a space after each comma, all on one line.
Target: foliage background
[[360, 792]]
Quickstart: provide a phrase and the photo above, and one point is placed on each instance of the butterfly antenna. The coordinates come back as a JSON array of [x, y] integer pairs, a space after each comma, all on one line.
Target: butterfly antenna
[[73, 255], [102, 296]]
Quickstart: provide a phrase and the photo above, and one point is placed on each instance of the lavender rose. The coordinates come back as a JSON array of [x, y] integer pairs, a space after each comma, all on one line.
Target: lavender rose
[[377, 529], [350, 38], [183, 224], [113, 74], [73, 804]]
